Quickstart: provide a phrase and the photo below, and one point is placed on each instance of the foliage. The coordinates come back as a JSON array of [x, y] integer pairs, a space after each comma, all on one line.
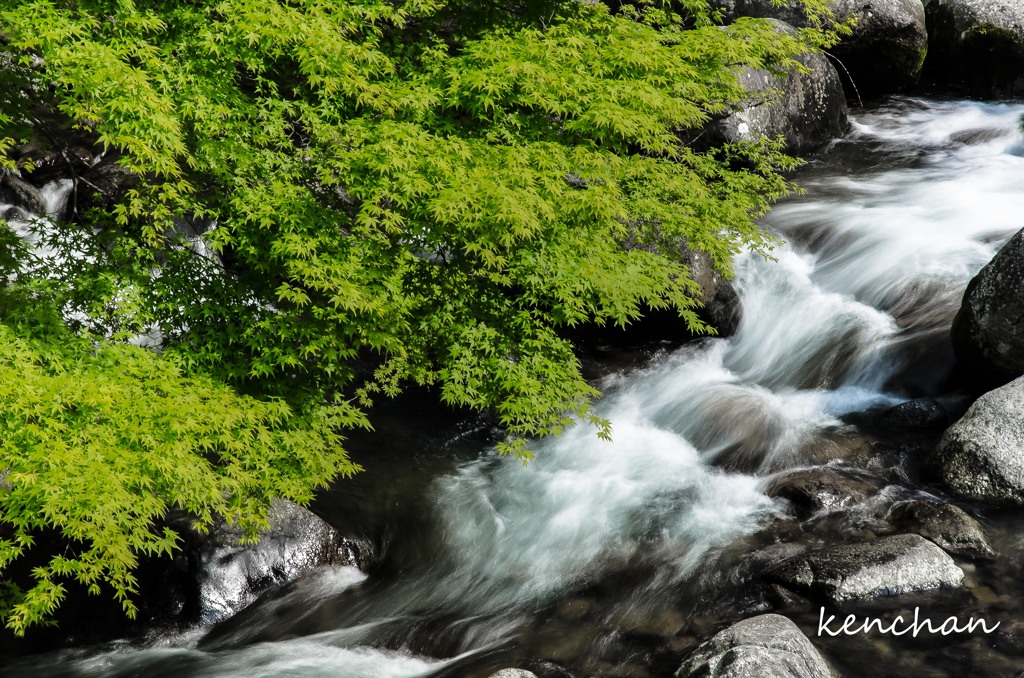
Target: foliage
[[390, 193]]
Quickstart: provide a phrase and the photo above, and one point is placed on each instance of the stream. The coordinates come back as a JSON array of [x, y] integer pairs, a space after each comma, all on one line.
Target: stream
[[614, 558]]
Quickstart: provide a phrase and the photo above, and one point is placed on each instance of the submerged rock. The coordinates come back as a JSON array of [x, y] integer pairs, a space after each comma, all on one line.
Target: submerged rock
[[945, 524], [810, 112], [885, 51], [824, 488], [976, 45], [513, 673], [891, 566], [988, 336], [768, 646], [922, 413], [980, 456]]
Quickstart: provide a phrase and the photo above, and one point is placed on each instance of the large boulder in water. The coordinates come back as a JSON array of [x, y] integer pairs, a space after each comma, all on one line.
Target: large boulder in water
[[977, 46], [988, 335], [223, 575], [982, 455], [19, 193], [884, 53], [806, 109], [768, 646], [891, 566]]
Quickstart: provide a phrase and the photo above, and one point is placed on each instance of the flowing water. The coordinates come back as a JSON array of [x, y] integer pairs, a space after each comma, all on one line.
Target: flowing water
[[610, 558]]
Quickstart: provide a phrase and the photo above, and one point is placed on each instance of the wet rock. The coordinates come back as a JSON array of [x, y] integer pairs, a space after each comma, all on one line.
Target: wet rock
[[920, 414], [768, 646], [18, 192], [513, 673], [885, 52], [946, 525], [230, 575], [988, 336], [810, 112], [976, 45], [898, 565], [980, 456], [825, 488]]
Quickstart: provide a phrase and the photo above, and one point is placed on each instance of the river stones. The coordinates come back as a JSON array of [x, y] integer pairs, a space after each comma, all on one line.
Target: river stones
[[230, 575], [988, 335], [884, 53], [982, 455], [824, 488], [918, 414], [810, 112], [767, 646], [945, 524], [891, 566], [977, 45]]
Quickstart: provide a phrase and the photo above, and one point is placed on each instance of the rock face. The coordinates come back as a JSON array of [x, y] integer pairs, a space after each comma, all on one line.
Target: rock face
[[768, 646], [988, 335], [976, 45], [884, 53], [898, 565], [945, 524], [229, 576], [810, 112], [982, 455]]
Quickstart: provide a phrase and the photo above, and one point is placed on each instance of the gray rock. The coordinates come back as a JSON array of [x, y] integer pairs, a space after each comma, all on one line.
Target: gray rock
[[977, 45], [513, 673], [982, 455], [18, 192], [768, 646], [810, 112], [988, 335], [231, 575], [945, 524], [721, 306], [891, 566], [884, 53]]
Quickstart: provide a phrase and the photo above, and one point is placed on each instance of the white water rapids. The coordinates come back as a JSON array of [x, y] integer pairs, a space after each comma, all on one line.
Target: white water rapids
[[852, 314]]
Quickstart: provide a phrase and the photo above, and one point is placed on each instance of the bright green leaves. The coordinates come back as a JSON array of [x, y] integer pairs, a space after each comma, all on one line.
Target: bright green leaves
[[98, 443], [392, 193]]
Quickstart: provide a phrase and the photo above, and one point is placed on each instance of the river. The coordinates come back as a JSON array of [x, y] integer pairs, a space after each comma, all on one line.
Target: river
[[612, 558]]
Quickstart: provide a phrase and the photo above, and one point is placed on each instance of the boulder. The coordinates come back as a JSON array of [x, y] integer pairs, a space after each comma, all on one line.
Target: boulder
[[982, 455], [976, 46], [229, 575], [19, 193], [513, 673], [884, 53], [806, 109], [891, 566], [768, 646], [945, 524], [988, 336]]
